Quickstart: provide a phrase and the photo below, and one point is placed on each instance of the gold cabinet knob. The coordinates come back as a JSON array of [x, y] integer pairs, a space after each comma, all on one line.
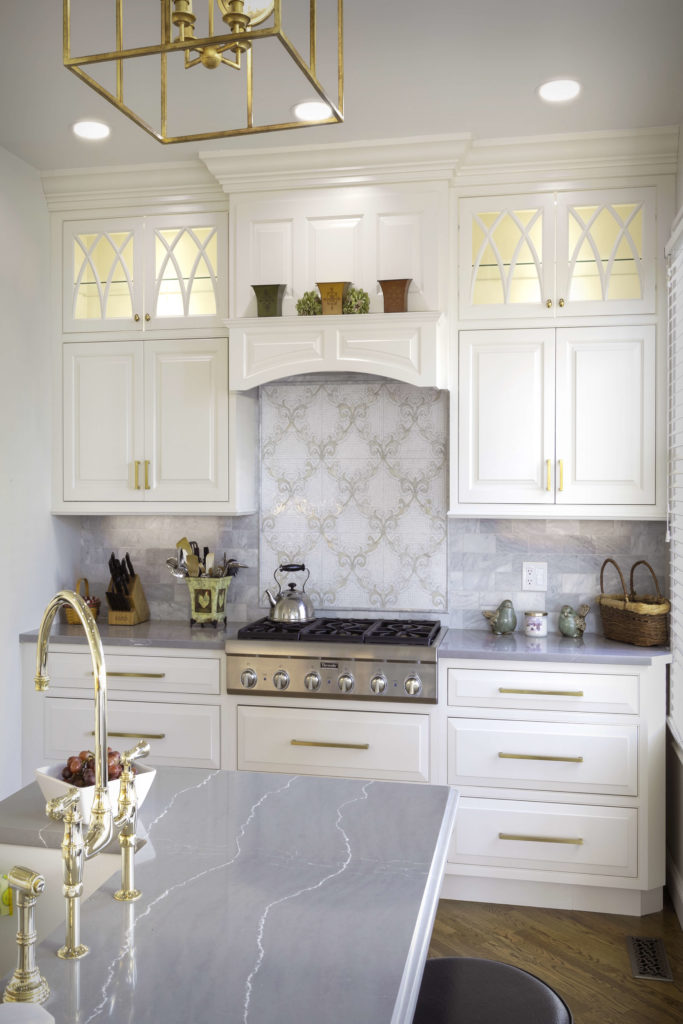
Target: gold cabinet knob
[[548, 303], [147, 317], [561, 303], [137, 318]]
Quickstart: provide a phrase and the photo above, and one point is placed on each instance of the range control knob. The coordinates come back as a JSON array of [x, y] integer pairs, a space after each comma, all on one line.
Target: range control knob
[[378, 683], [413, 685], [345, 682], [312, 681], [281, 679], [248, 678]]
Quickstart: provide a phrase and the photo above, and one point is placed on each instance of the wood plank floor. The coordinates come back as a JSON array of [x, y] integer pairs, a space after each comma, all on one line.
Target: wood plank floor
[[583, 956]]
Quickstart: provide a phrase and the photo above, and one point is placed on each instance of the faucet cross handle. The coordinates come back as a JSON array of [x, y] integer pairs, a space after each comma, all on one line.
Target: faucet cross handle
[[67, 805], [140, 750]]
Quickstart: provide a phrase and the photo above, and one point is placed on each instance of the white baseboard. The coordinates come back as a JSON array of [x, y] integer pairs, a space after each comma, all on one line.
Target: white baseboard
[[553, 895]]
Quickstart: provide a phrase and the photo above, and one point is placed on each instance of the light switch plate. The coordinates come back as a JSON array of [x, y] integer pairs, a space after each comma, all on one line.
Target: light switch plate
[[534, 576]]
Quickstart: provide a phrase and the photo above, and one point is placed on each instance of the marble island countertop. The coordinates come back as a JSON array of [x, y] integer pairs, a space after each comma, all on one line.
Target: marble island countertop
[[265, 898]]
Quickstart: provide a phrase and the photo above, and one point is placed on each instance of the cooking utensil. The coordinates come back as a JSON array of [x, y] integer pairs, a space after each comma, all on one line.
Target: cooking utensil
[[175, 570], [129, 565], [192, 565], [294, 605]]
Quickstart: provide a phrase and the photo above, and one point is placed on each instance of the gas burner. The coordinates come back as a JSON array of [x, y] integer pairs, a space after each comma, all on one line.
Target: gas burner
[[353, 631], [266, 629], [403, 631]]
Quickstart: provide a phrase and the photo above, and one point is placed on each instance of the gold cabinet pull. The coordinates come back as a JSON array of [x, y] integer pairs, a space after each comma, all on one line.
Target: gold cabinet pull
[[540, 757], [137, 735], [147, 474], [137, 474], [539, 839], [547, 474], [549, 303], [543, 693], [323, 743], [137, 675], [561, 475]]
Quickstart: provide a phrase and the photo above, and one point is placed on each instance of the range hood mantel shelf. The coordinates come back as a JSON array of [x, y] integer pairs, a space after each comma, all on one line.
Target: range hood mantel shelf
[[409, 347]]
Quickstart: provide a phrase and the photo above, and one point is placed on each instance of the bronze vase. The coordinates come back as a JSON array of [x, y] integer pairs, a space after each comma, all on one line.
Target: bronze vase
[[332, 294], [269, 298], [395, 292]]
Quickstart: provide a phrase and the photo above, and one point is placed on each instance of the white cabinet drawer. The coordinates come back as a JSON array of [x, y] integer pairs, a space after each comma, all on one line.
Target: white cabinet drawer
[[355, 744], [179, 734], [543, 755], [546, 836], [554, 691], [148, 673]]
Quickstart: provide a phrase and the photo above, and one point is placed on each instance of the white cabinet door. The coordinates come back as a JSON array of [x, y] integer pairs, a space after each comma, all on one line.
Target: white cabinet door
[[103, 420], [144, 273], [506, 435], [605, 252], [102, 284], [507, 256], [186, 420], [605, 415]]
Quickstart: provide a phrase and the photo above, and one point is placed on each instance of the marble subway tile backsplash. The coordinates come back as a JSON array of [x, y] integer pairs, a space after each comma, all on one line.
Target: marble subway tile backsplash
[[354, 484]]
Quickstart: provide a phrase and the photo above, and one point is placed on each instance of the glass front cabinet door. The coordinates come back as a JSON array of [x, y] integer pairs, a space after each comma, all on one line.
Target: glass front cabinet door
[[558, 254], [148, 273]]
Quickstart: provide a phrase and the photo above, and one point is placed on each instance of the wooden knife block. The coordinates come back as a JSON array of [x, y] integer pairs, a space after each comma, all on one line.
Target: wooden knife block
[[139, 609]]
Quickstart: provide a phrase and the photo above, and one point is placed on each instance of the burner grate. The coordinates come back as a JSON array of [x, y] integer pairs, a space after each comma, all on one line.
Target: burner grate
[[266, 629], [353, 631], [421, 632]]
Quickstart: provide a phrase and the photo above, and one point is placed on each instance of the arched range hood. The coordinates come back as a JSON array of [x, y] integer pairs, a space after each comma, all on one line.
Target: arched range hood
[[408, 347]]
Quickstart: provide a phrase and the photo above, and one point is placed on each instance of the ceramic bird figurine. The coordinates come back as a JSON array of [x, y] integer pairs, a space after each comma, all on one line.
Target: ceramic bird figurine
[[573, 623], [503, 620]]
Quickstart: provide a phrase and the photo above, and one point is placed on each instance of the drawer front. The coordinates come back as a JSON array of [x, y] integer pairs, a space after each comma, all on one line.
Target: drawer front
[[543, 755], [552, 691], [178, 734], [546, 836], [146, 673], [354, 744]]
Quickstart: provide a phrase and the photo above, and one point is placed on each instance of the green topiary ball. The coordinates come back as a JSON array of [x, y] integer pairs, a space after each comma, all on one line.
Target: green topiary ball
[[310, 304], [356, 301]]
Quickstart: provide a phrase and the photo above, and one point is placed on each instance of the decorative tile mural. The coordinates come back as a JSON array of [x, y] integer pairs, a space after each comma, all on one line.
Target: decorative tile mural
[[354, 485]]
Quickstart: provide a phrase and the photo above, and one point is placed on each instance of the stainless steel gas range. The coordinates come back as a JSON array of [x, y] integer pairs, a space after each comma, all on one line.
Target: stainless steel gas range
[[344, 658]]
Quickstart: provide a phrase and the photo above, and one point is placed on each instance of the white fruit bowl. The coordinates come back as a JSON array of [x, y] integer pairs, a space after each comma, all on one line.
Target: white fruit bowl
[[52, 784]]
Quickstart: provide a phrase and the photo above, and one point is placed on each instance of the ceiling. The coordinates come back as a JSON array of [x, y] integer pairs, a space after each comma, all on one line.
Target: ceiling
[[411, 68]]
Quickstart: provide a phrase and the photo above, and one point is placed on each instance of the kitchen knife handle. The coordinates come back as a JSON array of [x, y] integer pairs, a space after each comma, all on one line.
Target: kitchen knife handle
[[147, 487], [137, 474]]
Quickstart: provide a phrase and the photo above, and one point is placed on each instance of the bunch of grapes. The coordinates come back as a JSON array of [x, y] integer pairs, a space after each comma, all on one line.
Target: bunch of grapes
[[79, 769]]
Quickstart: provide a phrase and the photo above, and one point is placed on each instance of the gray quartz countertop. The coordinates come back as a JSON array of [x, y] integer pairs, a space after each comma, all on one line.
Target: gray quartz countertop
[[591, 648], [267, 898], [457, 643]]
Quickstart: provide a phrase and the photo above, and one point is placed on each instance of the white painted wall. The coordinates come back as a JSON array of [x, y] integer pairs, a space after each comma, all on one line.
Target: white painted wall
[[33, 544]]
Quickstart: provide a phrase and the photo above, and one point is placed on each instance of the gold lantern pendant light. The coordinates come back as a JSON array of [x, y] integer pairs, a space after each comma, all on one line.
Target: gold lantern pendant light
[[244, 27]]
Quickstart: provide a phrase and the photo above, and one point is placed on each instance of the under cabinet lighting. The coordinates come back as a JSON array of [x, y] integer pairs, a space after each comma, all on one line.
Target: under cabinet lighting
[[91, 130], [559, 90]]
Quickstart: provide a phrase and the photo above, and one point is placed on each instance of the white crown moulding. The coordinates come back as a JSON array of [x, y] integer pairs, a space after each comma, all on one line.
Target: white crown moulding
[[460, 161]]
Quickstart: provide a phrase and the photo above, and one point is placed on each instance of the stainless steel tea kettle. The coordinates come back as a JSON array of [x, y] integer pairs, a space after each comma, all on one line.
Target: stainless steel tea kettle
[[294, 605]]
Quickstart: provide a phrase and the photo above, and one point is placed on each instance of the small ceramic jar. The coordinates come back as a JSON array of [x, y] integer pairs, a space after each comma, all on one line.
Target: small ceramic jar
[[536, 623]]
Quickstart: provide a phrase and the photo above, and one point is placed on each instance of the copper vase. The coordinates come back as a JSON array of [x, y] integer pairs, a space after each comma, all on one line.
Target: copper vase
[[332, 294], [395, 292], [269, 298]]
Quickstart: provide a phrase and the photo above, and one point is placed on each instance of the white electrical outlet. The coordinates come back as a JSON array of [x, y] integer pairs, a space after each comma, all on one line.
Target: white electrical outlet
[[534, 575]]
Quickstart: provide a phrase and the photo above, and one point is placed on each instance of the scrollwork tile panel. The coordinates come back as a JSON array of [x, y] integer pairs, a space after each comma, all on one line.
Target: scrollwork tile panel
[[354, 484]]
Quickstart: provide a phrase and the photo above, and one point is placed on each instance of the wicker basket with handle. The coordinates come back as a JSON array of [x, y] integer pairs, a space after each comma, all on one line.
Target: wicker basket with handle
[[93, 603], [640, 619]]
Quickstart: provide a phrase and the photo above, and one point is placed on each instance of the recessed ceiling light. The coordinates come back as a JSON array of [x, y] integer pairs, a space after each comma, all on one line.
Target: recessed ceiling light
[[91, 129], [559, 90], [311, 110]]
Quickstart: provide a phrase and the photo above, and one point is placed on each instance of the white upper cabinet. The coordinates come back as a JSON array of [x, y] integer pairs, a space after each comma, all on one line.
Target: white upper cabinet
[[558, 254], [149, 425], [562, 420], [144, 273]]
